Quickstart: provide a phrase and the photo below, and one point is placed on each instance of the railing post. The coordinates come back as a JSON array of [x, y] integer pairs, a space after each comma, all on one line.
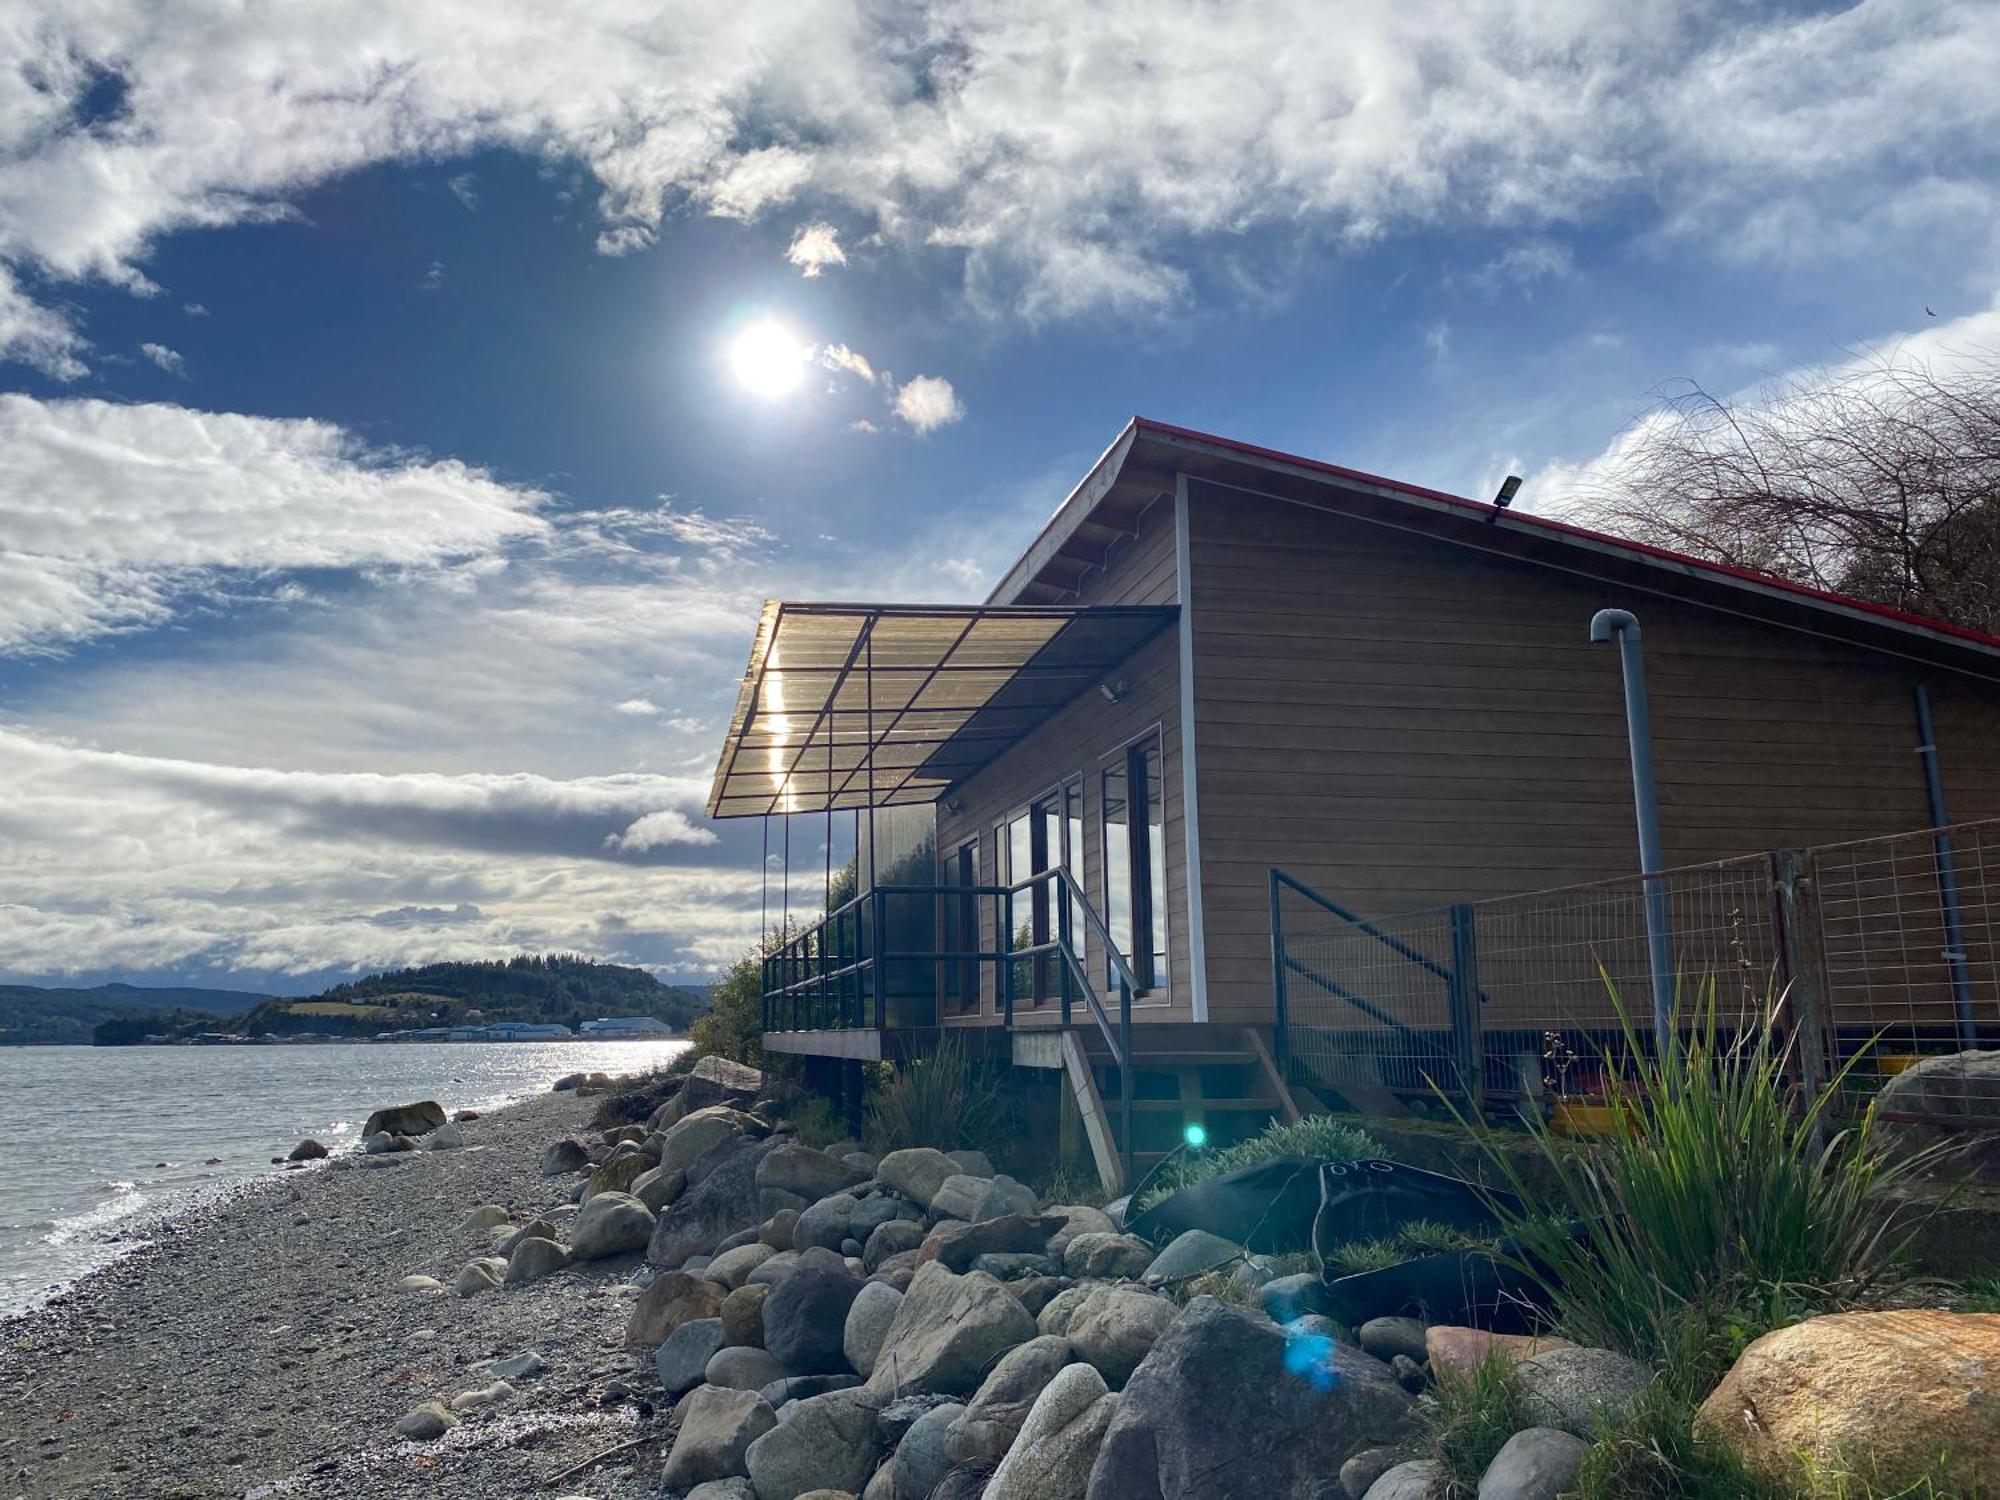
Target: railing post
[[1125, 1075], [1281, 1017], [1803, 973], [1065, 935], [1467, 1040], [878, 966]]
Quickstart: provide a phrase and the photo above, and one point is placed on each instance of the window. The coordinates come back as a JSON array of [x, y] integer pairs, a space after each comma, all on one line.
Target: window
[[1046, 835], [959, 917], [1135, 870]]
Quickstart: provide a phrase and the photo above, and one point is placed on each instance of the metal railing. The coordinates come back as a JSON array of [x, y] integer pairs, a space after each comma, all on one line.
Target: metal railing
[[1872, 956], [838, 972]]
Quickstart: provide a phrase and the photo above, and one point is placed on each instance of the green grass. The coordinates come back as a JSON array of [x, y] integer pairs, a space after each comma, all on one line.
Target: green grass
[[1315, 1136], [950, 1099], [1475, 1414], [1654, 1454], [1416, 1238], [1727, 1203]]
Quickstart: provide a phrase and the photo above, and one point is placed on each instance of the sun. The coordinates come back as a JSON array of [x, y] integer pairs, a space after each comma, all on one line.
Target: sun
[[769, 360]]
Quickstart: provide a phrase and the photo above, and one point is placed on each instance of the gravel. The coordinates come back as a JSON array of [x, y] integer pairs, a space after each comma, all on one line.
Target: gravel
[[262, 1346]]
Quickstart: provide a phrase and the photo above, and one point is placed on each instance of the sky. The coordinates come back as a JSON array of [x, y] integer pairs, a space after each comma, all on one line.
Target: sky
[[404, 409]]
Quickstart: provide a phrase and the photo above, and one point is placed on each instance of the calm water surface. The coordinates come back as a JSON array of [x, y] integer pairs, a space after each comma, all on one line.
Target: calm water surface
[[96, 1143]]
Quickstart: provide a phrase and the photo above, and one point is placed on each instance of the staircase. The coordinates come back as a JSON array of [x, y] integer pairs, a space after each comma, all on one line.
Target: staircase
[[1219, 1077]]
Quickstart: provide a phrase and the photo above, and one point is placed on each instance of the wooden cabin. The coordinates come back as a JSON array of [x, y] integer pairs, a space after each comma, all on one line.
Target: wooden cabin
[[1218, 661]]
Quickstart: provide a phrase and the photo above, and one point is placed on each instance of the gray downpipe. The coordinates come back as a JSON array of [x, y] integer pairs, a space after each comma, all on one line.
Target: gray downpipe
[[1624, 625], [1947, 876]]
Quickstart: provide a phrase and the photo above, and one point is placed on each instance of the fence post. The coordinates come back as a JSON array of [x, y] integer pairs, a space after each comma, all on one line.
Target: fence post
[[1007, 960], [1804, 973], [1281, 1012], [1467, 1039]]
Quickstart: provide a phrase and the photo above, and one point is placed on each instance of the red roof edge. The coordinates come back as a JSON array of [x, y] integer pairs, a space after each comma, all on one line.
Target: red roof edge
[[1581, 533]]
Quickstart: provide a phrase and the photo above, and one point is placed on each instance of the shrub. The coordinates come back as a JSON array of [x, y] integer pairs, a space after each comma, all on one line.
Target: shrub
[[734, 1026], [950, 1099], [1724, 1202], [1315, 1136]]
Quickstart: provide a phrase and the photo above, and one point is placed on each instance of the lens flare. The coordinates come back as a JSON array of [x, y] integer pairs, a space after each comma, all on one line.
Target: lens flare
[[1196, 1137]]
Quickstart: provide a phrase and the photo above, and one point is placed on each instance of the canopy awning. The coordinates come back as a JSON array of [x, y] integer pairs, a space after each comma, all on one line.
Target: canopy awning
[[885, 705]]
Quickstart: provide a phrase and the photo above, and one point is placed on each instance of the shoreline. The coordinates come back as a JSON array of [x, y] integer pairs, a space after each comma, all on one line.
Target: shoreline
[[259, 1342]]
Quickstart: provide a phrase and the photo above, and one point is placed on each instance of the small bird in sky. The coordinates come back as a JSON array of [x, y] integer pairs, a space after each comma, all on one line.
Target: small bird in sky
[[1927, 310]]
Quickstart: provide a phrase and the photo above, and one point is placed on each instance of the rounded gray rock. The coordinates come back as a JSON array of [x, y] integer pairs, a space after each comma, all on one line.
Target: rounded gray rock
[[682, 1361], [868, 1321], [1575, 1389], [1538, 1463]]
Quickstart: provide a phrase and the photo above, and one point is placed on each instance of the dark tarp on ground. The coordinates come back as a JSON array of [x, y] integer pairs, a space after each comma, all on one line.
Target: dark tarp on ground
[[1469, 1287], [1298, 1202]]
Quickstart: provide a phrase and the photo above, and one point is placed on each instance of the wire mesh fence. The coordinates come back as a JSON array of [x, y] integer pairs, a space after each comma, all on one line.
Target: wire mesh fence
[[1880, 957]]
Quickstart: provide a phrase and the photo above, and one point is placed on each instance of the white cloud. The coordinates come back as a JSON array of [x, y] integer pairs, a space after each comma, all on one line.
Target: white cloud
[[464, 188], [1072, 154], [433, 276], [928, 402], [37, 335], [815, 247], [194, 309], [853, 361], [167, 359], [108, 511], [659, 830], [638, 708]]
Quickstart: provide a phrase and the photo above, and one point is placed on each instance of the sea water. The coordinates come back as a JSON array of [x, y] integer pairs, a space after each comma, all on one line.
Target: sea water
[[97, 1143]]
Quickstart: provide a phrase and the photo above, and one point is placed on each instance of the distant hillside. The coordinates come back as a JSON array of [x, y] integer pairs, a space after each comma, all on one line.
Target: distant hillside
[[32, 1014], [560, 987]]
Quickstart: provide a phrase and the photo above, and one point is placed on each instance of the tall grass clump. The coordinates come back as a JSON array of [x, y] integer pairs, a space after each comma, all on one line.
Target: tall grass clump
[[1724, 1202], [1315, 1136], [1476, 1411], [950, 1099]]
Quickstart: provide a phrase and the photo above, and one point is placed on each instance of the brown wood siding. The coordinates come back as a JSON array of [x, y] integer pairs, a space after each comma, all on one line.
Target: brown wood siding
[[1078, 741], [1401, 723]]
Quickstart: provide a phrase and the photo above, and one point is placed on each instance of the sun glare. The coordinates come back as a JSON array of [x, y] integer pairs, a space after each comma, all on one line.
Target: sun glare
[[768, 359]]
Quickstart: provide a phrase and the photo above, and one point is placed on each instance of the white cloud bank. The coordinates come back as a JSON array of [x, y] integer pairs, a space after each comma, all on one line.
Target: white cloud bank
[[107, 512], [1071, 154]]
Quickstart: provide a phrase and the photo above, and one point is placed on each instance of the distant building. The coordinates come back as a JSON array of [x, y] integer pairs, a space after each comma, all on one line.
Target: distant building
[[612, 1027]]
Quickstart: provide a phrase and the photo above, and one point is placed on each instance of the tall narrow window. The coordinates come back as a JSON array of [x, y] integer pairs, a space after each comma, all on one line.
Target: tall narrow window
[[1135, 901]]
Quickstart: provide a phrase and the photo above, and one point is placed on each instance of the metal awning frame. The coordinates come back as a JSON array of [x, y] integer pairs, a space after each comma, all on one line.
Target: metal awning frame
[[829, 732]]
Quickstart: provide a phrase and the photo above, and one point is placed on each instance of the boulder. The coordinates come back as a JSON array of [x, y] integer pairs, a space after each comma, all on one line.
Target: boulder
[[960, 1245], [1577, 1389], [658, 1187], [481, 1275], [963, 1196], [920, 1460], [777, 1231], [618, 1174], [734, 1488], [805, 1320], [1227, 1404], [824, 1223], [431, 1420], [868, 1320], [733, 1267], [991, 1422], [1052, 1459], [682, 1361], [1452, 1350], [406, 1119], [972, 1163], [1536, 1463], [1116, 1327], [811, 1174], [781, 1393], [610, 1224], [306, 1150], [718, 1429], [743, 1316], [486, 1216], [534, 1229], [1193, 1252], [774, 1270], [916, 1173], [1882, 1394], [880, 1207], [741, 1368], [1036, 1292], [722, 1202], [483, 1396], [421, 1284], [688, 1139], [1385, 1338], [717, 1080], [672, 1298], [564, 1156], [948, 1333], [382, 1143], [568, 1082], [1957, 1092], [447, 1137], [1011, 1267], [1360, 1472], [1076, 1219], [1061, 1309], [1107, 1257], [892, 1238], [1420, 1479], [824, 1442], [524, 1366], [534, 1258], [1287, 1297]]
